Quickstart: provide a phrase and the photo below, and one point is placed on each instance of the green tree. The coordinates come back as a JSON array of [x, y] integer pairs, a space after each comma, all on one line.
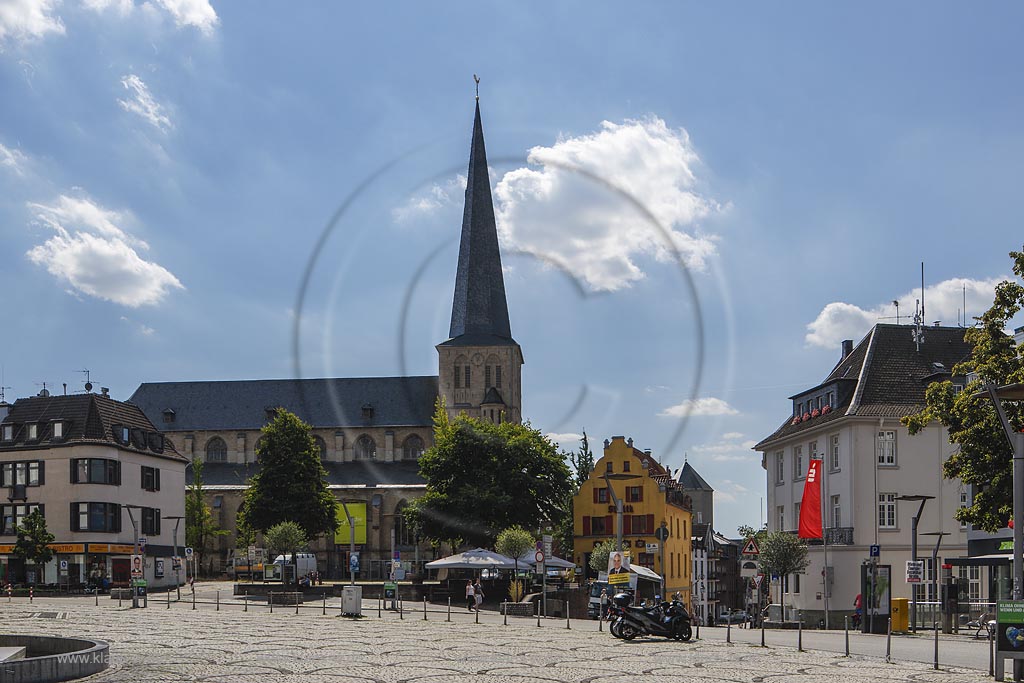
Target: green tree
[[291, 485], [484, 477], [513, 542], [782, 554], [747, 532], [285, 538], [582, 463], [599, 555], [983, 457], [33, 544], [200, 527]]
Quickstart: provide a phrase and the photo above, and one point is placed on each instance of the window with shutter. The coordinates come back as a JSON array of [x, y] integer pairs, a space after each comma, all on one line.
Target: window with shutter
[[627, 525], [586, 525]]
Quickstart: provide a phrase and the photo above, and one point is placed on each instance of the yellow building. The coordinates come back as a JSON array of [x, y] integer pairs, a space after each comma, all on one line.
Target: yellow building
[[650, 499]]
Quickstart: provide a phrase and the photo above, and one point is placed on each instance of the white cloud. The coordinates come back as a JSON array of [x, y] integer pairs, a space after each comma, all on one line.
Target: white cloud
[[571, 220], [122, 7], [729, 448], [732, 436], [96, 257], [568, 441], [699, 407], [730, 491], [141, 328], [12, 159], [943, 301], [27, 19], [142, 103], [197, 13], [440, 195]]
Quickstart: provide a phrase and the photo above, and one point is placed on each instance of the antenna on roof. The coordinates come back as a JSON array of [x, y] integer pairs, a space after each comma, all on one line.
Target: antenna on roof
[[918, 333], [44, 391], [88, 383], [965, 305], [2, 389], [922, 290], [896, 303]]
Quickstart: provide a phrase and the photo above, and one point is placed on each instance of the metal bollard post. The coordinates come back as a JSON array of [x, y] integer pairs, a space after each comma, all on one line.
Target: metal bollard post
[[477, 610], [245, 599], [538, 614], [270, 601], [119, 594], [193, 598], [936, 625], [449, 608], [297, 602], [728, 630], [888, 642], [567, 625], [401, 607], [504, 611], [424, 608], [697, 635], [800, 636], [97, 597], [600, 623], [218, 600], [168, 599], [762, 633], [8, 592], [30, 592], [846, 630], [324, 594], [379, 601], [991, 653]]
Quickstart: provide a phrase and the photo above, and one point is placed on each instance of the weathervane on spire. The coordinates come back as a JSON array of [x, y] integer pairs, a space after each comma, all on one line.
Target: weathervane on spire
[[477, 80]]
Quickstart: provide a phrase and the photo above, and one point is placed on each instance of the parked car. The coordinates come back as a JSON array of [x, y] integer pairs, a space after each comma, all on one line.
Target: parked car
[[737, 617]]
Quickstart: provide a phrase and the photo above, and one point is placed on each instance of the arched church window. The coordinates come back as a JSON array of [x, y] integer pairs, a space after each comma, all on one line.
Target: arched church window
[[216, 450], [497, 377], [487, 377], [413, 448], [405, 535], [321, 446], [366, 448]]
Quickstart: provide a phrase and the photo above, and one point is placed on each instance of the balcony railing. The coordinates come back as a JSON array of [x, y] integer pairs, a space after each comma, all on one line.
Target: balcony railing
[[840, 535]]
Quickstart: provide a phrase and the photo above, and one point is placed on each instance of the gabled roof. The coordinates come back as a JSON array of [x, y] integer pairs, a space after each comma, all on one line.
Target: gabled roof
[[338, 402], [892, 375], [690, 480], [492, 396], [479, 309], [86, 418]]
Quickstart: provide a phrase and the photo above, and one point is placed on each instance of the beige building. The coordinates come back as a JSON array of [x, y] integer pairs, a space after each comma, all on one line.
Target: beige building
[[370, 430], [91, 465], [871, 464]]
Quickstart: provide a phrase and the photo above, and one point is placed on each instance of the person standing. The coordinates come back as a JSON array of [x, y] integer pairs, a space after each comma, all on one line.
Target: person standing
[[470, 595], [478, 594]]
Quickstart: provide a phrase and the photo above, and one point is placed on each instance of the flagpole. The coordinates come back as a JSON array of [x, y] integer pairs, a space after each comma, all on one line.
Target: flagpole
[[824, 543]]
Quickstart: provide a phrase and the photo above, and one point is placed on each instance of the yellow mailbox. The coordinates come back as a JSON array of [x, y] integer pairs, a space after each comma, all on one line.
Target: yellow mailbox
[[901, 614]]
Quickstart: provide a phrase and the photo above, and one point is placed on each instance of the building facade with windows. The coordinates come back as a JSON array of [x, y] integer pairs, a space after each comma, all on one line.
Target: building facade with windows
[[650, 497], [370, 430], [870, 465], [93, 466]]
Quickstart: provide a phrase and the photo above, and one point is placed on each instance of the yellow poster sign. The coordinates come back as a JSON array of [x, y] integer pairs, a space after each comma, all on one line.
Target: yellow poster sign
[[358, 512]]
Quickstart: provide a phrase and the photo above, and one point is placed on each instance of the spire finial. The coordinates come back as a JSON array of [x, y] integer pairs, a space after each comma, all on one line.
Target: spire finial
[[476, 79]]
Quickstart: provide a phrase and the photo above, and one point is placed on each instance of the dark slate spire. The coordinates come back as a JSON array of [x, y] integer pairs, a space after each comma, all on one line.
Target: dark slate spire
[[479, 311]]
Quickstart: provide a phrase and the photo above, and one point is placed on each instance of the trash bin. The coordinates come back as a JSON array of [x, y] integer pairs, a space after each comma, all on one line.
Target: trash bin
[[352, 600], [901, 614]]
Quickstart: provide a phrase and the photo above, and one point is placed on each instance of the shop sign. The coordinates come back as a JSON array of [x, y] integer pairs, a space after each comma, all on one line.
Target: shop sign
[[67, 548]]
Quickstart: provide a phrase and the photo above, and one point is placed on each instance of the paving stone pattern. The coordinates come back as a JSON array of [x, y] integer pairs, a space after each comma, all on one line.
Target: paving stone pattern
[[181, 644]]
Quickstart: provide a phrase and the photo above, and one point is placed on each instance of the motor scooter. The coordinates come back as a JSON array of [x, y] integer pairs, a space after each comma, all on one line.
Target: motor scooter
[[666, 620]]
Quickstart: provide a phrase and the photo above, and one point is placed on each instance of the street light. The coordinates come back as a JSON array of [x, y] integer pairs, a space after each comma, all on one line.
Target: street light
[[913, 551], [135, 546], [935, 564], [608, 476], [176, 560]]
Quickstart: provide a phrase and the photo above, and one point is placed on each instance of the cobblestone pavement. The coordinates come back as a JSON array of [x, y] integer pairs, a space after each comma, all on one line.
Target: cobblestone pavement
[[182, 644]]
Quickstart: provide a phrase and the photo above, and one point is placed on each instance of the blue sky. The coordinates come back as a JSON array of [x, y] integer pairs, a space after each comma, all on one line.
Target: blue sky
[[166, 170]]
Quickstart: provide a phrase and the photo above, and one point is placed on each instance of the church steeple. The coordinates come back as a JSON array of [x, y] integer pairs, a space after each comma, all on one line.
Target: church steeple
[[480, 365], [479, 310]]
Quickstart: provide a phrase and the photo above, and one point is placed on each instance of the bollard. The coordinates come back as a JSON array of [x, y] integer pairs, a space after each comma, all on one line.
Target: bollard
[[30, 590], [97, 597], [296, 602], [424, 608], [477, 614], [538, 614], [936, 624], [762, 633], [600, 623], [728, 630], [270, 601], [800, 636], [245, 599], [325, 603], [379, 601], [119, 600], [168, 599], [9, 593], [193, 598], [697, 636], [567, 625], [401, 607], [888, 642], [504, 611], [846, 630], [991, 653], [449, 608], [218, 600]]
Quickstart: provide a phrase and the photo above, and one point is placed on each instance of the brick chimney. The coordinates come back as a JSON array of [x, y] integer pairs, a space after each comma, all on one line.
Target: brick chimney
[[847, 347]]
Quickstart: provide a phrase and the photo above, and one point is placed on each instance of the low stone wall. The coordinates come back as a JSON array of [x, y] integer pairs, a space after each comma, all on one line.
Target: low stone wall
[[53, 659]]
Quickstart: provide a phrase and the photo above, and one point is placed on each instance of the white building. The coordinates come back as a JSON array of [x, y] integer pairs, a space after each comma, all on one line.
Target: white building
[[871, 464]]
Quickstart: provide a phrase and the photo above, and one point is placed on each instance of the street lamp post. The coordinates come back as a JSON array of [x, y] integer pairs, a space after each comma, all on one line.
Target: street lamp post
[[913, 551], [608, 476], [176, 560], [351, 544], [135, 546], [935, 567]]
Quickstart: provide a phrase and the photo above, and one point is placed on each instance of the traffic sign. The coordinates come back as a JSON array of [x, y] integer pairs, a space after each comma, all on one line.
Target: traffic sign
[[547, 544], [757, 580], [652, 547], [661, 533], [539, 557], [64, 566], [751, 547], [188, 553], [252, 553], [915, 571], [875, 551]]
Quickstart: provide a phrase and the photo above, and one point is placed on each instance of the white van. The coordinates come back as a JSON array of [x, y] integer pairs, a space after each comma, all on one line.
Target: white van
[[305, 563]]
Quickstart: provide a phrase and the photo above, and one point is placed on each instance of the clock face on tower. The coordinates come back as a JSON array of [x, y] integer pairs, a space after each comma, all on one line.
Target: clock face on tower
[[478, 359]]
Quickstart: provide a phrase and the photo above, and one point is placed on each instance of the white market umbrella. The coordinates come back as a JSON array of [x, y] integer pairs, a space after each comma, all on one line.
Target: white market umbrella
[[473, 559], [529, 559]]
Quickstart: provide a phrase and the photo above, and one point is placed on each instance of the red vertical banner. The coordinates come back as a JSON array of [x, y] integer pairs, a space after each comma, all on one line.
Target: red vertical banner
[[810, 504]]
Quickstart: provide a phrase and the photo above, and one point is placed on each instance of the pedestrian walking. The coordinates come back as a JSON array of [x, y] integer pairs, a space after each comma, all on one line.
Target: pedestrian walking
[[478, 594], [470, 595]]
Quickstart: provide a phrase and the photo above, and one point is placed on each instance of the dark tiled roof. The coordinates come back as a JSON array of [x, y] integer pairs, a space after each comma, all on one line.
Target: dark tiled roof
[[243, 404], [892, 374], [690, 480], [87, 418], [479, 307], [358, 473], [492, 396]]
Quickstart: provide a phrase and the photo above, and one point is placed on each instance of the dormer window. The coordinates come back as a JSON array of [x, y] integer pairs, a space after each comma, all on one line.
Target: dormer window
[[58, 430], [8, 433], [168, 416], [367, 411], [121, 434], [32, 431]]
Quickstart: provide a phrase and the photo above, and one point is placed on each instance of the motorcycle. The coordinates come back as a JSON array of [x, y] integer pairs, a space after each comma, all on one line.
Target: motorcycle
[[667, 619]]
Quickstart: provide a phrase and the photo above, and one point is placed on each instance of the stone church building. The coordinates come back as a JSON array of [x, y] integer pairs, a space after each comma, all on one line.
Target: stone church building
[[370, 430]]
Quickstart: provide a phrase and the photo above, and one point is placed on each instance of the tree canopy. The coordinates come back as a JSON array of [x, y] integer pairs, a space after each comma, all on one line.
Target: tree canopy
[[34, 539], [291, 485], [484, 477], [599, 555], [200, 526], [513, 542], [984, 455], [782, 553], [285, 537]]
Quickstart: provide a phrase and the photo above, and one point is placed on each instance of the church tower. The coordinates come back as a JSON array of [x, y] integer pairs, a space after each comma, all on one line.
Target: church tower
[[480, 366]]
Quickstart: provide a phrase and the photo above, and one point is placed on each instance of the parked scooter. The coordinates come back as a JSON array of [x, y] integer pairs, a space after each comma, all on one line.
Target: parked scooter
[[667, 619]]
